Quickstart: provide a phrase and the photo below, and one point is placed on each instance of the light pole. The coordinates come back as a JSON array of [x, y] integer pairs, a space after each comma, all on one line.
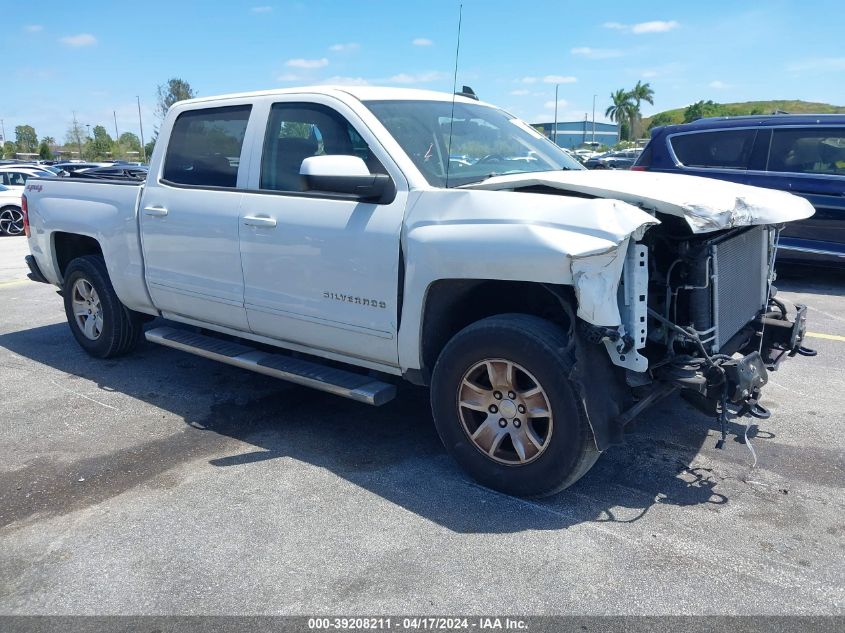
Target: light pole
[[141, 124], [594, 118], [554, 129]]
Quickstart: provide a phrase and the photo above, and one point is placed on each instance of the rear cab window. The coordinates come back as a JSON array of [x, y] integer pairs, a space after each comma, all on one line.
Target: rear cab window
[[815, 150], [719, 149], [205, 147]]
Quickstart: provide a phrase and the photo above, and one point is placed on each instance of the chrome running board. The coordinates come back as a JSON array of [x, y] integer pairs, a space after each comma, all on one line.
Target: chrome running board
[[339, 382]]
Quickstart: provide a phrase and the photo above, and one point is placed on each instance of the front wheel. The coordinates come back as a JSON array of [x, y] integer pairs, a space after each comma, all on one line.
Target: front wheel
[[100, 323], [11, 221], [505, 409]]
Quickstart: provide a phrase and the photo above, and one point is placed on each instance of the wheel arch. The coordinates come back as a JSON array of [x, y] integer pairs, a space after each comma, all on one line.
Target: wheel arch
[[450, 305], [68, 246]]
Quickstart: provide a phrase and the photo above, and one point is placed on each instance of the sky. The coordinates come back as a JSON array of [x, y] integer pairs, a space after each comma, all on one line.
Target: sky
[[93, 58]]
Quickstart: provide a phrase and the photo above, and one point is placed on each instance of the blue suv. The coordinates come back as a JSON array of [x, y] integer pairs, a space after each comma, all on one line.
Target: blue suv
[[802, 154]]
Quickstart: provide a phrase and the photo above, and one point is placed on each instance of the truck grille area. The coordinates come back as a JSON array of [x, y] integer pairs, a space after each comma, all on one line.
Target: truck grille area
[[737, 267]]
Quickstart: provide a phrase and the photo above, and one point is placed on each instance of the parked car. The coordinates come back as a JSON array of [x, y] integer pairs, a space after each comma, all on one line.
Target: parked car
[[72, 168], [120, 171], [611, 160], [15, 176], [543, 304], [802, 154], [11, 216]]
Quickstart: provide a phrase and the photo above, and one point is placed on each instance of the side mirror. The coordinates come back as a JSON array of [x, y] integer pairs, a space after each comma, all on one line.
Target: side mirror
[[344, 175]]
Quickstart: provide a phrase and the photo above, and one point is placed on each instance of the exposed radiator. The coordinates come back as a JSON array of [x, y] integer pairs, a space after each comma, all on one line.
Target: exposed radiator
[[740, 271], [731, 285]]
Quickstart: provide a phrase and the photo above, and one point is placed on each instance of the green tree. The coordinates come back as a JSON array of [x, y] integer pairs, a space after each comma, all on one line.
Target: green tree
[[641, 92], [130, 141], [9, 149], [102, 144], [44, 151], [701, 109], [26, 139], [662, 118], [621, 109], [148, 149], [169, 93]]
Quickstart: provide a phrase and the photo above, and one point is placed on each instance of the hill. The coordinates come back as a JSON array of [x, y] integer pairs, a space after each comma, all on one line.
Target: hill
[[746, 107]]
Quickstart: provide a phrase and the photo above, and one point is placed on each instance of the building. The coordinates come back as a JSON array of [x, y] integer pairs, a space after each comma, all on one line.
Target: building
[[573, 134]]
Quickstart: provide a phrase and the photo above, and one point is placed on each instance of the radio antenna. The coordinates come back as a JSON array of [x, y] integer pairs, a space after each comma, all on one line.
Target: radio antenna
[[454, 90]]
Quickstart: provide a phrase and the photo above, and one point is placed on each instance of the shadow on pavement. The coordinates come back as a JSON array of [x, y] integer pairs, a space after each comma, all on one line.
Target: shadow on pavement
[[811, 279], [392, 451]]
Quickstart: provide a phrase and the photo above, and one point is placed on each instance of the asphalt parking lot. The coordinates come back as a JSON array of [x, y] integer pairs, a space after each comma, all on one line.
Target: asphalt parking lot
[[163, 483]]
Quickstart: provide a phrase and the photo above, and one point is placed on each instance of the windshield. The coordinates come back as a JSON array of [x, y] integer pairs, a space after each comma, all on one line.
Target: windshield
[[485, 141]]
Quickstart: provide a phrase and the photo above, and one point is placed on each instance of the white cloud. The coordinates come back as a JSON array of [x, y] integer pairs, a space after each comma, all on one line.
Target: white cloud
[[596, 53], [288, 77], [520, 92], [338, 80], [344, 48], [261, 9], [559, 79], [818, 64], [422, 41], [654, 26], [33, 28], [649, 74], [83, 39], [528, 80], [718, 85], [307, 63], [418, 78], [550, 105]]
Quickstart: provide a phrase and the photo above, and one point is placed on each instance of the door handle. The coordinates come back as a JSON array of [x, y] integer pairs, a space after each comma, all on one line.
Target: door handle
[[157, 212], [260, 221]]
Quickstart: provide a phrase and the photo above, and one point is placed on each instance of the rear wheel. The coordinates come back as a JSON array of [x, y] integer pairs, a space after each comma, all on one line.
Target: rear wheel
[[100, 323], [11, 220], [506, 411]]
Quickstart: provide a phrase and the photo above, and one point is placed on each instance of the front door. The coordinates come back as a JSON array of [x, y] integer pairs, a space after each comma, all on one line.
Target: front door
[[320, 270], [189, 219]]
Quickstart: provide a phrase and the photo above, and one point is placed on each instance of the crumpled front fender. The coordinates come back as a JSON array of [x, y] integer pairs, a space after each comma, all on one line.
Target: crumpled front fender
[[509, 236]]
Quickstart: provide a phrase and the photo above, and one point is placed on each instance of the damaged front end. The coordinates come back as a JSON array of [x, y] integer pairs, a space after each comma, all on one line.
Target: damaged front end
[[700, 314]]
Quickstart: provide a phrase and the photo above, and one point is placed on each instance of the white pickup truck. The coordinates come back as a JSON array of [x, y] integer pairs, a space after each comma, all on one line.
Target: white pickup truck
[[343, 238]]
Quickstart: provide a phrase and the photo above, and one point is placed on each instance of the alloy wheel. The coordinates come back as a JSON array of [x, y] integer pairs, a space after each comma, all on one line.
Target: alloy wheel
[[11, 221], [505, 411], [87, 309]]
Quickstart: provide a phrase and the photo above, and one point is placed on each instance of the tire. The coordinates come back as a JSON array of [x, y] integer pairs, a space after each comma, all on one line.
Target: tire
[[109, 328], [529, 456], [11, 220]]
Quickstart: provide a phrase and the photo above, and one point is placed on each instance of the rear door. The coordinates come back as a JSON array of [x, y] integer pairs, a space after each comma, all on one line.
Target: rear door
[[189, 218], [320, 270], [810, 162]]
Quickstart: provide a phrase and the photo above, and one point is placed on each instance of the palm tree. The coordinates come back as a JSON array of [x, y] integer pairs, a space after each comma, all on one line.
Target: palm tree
[[621, 110], [641, 92]]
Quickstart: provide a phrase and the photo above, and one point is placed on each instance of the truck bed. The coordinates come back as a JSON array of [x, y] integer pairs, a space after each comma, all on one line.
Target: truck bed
[[105, 210]]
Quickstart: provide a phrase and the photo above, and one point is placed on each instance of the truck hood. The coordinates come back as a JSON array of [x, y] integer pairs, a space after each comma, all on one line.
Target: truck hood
[[705, 203]]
